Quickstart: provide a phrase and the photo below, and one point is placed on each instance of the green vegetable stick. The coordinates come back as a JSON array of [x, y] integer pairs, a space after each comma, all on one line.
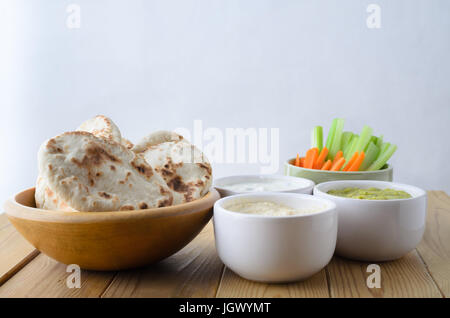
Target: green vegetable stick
[[364, 139], [383, 158], [317, 137], [384, 147], [379, 142], [373, 140], [330, 136], [336, 144], [346, 136], [348, 150], [371, 154]]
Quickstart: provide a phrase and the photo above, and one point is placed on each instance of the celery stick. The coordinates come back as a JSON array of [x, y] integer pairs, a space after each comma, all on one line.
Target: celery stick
[[383, 158], [348, 150], [364, 139], [336, 144], [373, 140], [330, 136], [379, 142], [317, 137], [384, 147], [346, 136], [371, 154]]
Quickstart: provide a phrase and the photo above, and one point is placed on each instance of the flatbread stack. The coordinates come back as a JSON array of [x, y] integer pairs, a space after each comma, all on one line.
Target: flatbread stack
[[95, 169], [183, 166]]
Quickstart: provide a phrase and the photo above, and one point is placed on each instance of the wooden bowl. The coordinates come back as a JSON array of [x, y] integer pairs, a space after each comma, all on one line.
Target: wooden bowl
[[109, 240]]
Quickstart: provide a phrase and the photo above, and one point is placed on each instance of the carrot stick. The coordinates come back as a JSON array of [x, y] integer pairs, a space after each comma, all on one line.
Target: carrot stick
[[327, 165], [321, 159], [302, 161], [355, 166], [311, 157], [338, 164], [351, 161], [338, 156], [297, 161]]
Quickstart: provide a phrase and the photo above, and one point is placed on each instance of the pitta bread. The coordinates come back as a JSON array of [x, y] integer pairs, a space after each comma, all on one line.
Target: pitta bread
[[127, 143], [49, 200], [94, 174], [102, 127], [182, 165]]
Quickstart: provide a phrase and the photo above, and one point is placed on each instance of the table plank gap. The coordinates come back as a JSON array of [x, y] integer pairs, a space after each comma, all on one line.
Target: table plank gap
[[15, 251], [195, 271], [220, 281], [435, 246], [327, 273], [429, 273], [108, 284]]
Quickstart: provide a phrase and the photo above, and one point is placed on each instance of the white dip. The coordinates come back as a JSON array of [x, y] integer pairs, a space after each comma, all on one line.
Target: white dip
[[268, 208], [263, 185]]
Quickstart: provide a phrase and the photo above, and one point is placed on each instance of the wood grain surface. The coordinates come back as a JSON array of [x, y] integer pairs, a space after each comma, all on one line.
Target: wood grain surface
[[406, 277], [196, 271], [435, 246], [45, 277], [15, 251], [234, 286]]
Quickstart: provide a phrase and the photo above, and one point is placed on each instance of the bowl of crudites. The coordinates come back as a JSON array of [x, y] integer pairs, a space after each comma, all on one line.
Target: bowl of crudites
[[106, 204]]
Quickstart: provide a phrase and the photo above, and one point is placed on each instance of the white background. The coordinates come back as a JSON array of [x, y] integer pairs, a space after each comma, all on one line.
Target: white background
[[287, 64]]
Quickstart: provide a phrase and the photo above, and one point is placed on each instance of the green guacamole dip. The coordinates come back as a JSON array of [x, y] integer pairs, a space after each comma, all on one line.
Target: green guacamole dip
[[370, 194]]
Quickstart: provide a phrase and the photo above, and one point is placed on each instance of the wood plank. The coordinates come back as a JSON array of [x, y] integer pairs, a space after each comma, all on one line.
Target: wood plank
[[15, 251], [194, 271], [406, 277], [233, 285], [435, 246], [45, 277]]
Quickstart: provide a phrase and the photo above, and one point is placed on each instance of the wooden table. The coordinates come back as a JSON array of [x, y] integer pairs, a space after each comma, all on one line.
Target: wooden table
[[196, 271]]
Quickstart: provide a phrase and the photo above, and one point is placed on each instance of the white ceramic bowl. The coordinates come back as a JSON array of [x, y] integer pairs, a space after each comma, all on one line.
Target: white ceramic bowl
[[299, 185], [276, 248], [377, 230]]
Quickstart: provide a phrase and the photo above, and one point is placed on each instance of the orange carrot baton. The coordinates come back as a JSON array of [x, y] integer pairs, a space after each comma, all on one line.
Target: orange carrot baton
[[338, 165], [311, 157], [297, 161], [351, 161], [338, 156], [327, 165], [321, 159], [355, 166]]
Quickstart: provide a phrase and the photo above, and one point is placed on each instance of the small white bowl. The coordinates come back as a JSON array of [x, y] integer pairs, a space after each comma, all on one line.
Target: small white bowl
[[299, 185], [377, 230], [276, 248]]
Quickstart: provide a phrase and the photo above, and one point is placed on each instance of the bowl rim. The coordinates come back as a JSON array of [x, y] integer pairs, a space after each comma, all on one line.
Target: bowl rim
[[291, 166], [15, 209], [310, 183], [421, 192], [219, 205]]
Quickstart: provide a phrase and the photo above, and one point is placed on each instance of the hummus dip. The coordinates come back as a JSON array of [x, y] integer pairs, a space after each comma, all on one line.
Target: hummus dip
[[370, 194], [268, 208]]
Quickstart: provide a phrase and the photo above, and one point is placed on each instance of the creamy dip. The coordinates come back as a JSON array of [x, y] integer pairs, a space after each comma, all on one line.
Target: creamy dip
[[268, 208], [370, 194], [263, 185]]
